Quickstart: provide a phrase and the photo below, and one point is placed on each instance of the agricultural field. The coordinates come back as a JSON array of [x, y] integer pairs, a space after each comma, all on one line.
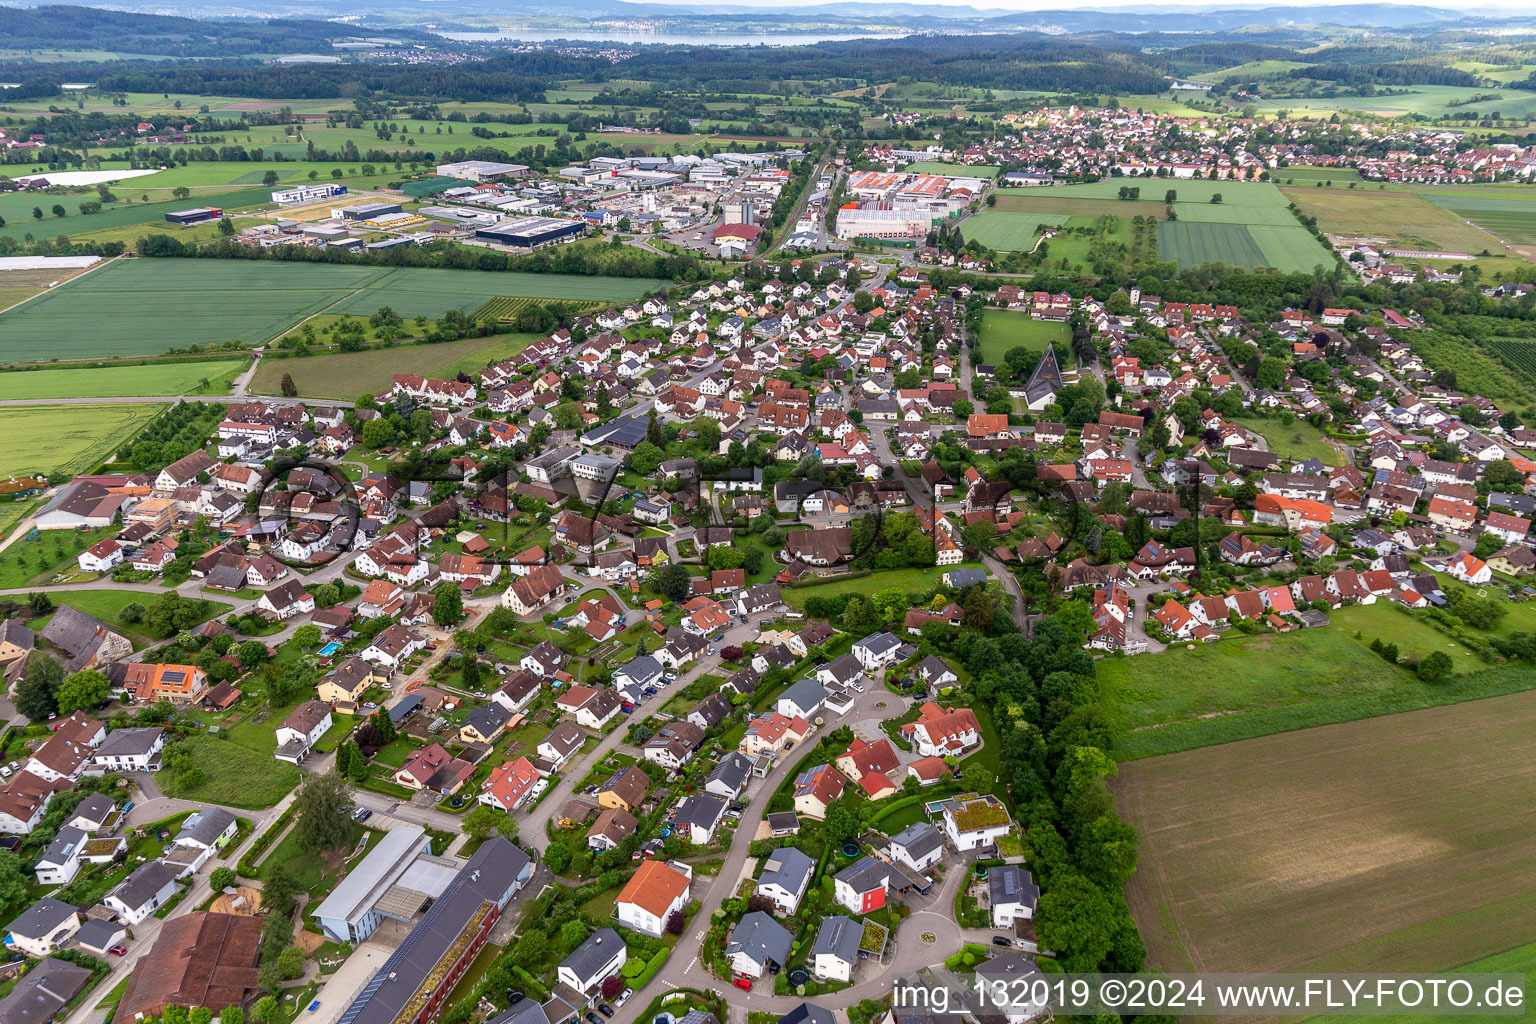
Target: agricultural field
[[1190, 244], [1253, 71], [153, 379], [342, 376], [1519, 353], [126, 309], [1507, 215], [1003, 329], [1521, 960], [1397, 844], [507, 308], [1049, 202], [1008, 232], [20, 285], [1429, 100], [1242, 686], [1401, 219], [66, 438]]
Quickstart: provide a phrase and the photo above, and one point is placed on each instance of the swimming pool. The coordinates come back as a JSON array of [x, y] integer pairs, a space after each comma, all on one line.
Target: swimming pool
[[330, 649]]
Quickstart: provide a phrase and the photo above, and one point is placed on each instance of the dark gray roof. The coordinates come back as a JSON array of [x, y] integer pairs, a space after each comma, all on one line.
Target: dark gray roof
[[205, 826], [526, 1012], [789, 866], [488, 718], [1008, 966], [761, 938], [700, 809], [865, 874], [485, 878], [1047, 378], [932, 667], [879, 643], [95, 807], [45, 990], [590, 956], [1012, 884], [68, 840], [962, 578], [840, 937], [74, 632], [808, 693], [127, 742], [732, 770], [40, 918], [918, 839], [805, 1013], [141, 886]]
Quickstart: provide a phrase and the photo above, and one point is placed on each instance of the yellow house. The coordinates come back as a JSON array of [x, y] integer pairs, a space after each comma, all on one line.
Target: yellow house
[[625, 790], [348, 681]]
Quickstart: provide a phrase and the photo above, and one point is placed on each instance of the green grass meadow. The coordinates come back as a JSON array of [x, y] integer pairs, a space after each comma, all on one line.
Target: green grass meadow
[[1008, 232], [1003, 329], [151, 379]]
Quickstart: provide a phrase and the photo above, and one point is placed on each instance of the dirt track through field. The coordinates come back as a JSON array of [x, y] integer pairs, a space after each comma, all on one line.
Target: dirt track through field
[[1406, 842]]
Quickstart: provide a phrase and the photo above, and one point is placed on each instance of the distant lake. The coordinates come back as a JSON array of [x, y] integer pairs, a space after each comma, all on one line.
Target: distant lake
[[671, 38]]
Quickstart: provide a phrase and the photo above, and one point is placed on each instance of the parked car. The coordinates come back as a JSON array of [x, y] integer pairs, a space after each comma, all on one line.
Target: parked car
[[605, 1009], [119, 950], [624, 997], [745, 984], [369, 705], [1001, 940], [431, 647], [593, 1018]]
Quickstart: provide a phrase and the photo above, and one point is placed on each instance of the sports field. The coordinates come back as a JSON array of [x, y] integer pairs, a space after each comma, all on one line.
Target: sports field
[[149, 379], [1401, 843], [342, 376], [1009, 232], [1003, 329], [144, 307], [66, 438], [1246, 686], [953, 170]]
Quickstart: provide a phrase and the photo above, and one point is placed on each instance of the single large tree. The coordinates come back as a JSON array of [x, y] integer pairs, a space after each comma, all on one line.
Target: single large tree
[[447, 604], [36, 695], [323, 811], [83, 690]]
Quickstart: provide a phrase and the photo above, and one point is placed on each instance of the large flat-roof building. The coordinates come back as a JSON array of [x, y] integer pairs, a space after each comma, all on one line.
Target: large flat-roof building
[[482, 170], [532, 232], [392, 881], [412, 985], [366, 211], [307, 193], [196, 215]]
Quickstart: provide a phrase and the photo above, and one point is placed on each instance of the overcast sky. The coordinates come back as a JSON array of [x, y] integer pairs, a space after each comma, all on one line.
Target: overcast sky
[[1464, 6]]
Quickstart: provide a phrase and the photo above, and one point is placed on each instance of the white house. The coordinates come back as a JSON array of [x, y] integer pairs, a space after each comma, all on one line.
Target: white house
[[972, 822], [836, 949], [877, 651], [301, 730], [130, 750], [43, 927], [103, 556], [601, 956], [786, 875], [143, 892], [652, 895], [919, 846], [1014, 894], [756, 942]]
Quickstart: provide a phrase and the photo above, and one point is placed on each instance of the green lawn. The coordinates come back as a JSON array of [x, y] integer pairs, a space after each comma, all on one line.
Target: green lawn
[[1515, 961], [36, 557], [122, 381], [953, 170], [909, 580], [1003, 329], [1242, 687], [67, 438], [106, 604], [1009, 232], [1299, 440], [234, 775], [345, 375]]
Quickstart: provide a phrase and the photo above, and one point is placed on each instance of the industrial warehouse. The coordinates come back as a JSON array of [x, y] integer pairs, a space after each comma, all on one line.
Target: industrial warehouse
[[531, 232]]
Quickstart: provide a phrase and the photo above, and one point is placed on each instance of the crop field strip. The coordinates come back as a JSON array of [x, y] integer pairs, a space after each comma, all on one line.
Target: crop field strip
[[506, 308], [1509, 218], [144, 307], [342, 376], [66, 438], [1190, 244], [1406, 217], [145, 379], [1399, 843]]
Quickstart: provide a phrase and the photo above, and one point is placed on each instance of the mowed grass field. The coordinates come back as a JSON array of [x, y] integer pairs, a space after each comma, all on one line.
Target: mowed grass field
[[17, 207], [144, 307], [1009, 232], [1520, 960], [1003, 329], [1401, 844], [953, 170], [66, 438], [1242, 687], [148, 379], [1404, 219], [342, 376]]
